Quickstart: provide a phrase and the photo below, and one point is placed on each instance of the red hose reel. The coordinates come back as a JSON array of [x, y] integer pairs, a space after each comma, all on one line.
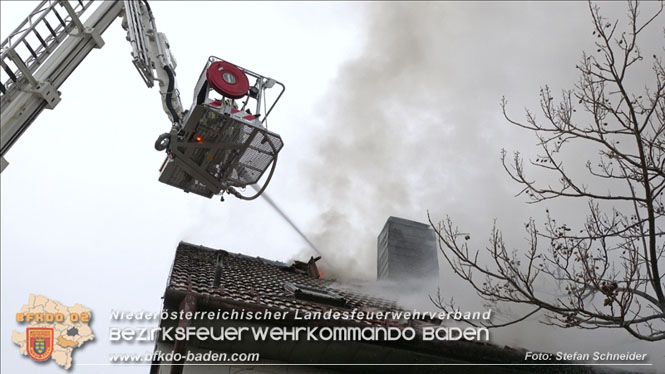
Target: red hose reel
[[227, 80]]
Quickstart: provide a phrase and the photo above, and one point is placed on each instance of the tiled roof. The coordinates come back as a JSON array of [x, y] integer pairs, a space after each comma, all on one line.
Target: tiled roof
[[258, 281], [225, 278]]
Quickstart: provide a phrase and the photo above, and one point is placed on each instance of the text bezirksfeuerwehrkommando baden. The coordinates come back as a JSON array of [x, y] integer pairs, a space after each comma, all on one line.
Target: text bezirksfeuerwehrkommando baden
[[295, 333]]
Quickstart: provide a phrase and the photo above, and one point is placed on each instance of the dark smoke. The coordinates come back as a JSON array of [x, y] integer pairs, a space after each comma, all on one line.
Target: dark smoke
[[391, 146], [413, 124]]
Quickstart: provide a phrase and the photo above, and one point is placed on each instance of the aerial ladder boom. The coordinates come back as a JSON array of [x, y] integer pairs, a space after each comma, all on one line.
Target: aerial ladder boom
[[40, 55], [214, 147]]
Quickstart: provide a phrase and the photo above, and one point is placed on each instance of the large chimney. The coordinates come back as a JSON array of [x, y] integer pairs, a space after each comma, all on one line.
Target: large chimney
[[407, 250]]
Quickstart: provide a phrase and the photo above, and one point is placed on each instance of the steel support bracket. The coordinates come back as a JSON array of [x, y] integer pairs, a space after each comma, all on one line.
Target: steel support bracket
[[80, 28], [43, 90], [47, 92], [94, 35], [89, 32]]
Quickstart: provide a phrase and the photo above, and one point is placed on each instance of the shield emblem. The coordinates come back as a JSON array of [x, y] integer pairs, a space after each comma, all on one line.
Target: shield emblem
[[40, 346], [40, 342]]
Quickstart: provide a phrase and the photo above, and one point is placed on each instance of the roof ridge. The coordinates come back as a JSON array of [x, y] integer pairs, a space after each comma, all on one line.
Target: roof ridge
[[186, 245]]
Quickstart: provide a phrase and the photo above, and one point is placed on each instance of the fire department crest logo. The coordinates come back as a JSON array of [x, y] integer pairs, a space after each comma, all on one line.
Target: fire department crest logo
[[40, 343], [53, 332]]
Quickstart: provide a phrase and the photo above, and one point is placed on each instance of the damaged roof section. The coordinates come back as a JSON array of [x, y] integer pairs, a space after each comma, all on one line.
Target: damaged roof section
[[225, 275], [308, 267]]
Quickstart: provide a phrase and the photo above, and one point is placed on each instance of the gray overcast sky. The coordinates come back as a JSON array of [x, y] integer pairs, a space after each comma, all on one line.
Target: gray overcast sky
[[390, 109]]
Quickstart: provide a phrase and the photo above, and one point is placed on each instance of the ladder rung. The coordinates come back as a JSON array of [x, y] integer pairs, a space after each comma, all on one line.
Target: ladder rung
[[32, 51], [62, 22], [8, 71], [41, 40], [50, 29]]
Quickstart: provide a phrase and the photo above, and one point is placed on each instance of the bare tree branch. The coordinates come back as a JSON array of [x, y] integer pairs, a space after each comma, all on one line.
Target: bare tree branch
[[609, 270]]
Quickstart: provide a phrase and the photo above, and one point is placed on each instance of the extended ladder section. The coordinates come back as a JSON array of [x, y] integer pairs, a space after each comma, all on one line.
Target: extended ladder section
[[40, 55]]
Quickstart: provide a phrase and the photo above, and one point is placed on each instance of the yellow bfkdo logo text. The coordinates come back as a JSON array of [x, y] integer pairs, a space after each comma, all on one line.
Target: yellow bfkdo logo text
[[54, 331]]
